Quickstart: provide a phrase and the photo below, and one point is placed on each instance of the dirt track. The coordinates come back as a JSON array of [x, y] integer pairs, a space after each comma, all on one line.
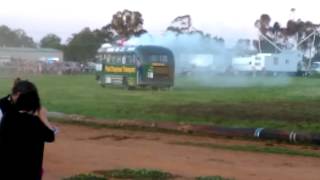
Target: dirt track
[[81, 149]]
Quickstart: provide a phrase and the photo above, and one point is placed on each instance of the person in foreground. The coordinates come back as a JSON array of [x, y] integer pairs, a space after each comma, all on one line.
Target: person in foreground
[[24, 129]]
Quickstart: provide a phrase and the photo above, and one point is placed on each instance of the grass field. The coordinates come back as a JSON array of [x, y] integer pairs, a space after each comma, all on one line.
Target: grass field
[[136, 174], [285, 103]]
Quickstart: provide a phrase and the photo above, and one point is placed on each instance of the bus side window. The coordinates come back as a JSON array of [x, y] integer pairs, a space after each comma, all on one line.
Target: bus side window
[[100, 57], [130, 59], [112, 59], [108, 58], [124, 59], [118, 59]]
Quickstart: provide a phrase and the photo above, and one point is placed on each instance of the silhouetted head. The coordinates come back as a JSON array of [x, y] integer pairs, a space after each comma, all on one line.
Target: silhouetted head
[[25, 96]]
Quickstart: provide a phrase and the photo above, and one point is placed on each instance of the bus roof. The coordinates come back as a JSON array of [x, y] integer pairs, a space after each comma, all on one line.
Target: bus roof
[[114, 49], [128, 49]]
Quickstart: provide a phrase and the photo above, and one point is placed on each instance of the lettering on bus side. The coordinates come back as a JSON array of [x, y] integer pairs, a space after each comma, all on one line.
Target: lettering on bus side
[[128, 69], [158, 64], [119, 69]]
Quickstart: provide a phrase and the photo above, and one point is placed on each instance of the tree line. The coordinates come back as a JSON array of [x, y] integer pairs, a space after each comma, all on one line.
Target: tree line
[[82, 46], [295, 34]]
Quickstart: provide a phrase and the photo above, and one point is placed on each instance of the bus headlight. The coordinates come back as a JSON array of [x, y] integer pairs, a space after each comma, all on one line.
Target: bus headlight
[[108, 80], [150, 74]]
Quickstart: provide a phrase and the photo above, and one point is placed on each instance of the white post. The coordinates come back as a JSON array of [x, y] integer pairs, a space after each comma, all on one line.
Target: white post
[[260, 46], [312, 45]]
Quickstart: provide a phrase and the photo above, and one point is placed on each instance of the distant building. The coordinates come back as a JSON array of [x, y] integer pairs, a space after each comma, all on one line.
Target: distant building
[[48, 55]]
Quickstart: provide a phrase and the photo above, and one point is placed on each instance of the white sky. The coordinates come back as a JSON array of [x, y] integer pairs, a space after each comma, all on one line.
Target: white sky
[[231, 19]]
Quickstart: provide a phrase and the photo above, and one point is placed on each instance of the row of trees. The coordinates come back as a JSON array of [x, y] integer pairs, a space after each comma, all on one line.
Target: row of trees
[[295, 35], [296, 32], [15, 38], [124, 25], [82, 46]]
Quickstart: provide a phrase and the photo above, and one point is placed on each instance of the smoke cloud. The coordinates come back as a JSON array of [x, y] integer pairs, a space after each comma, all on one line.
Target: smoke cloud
[[192, 51], [204, 60]]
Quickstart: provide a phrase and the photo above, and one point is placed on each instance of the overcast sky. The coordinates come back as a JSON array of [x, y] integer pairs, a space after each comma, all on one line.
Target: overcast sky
[[230, 19]]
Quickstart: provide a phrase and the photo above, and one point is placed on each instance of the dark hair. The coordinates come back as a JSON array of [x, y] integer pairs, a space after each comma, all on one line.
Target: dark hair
[[16, 81], [28, 99]]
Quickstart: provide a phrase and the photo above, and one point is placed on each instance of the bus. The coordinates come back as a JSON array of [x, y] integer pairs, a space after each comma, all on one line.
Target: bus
[[135, 66]]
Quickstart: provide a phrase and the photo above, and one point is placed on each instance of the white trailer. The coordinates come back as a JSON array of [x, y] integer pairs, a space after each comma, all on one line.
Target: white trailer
[[286, 62], [250, 63]]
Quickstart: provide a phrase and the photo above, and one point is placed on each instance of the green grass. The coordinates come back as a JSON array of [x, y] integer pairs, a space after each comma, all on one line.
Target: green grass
[[254, 148], [133, 174], [284, 103], [136, 174], [212, 178], [85, 177]]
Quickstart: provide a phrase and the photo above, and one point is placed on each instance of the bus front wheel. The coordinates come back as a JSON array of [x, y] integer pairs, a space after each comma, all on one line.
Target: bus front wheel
[[126, 85]]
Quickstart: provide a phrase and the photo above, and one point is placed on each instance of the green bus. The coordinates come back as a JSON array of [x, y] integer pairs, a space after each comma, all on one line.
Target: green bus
[[135, 66]]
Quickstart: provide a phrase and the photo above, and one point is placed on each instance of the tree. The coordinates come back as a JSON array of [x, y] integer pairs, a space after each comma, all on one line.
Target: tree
[[182, 24], [83, 46], [51, 41], [107, 33], [15, 38], [127, 23]]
